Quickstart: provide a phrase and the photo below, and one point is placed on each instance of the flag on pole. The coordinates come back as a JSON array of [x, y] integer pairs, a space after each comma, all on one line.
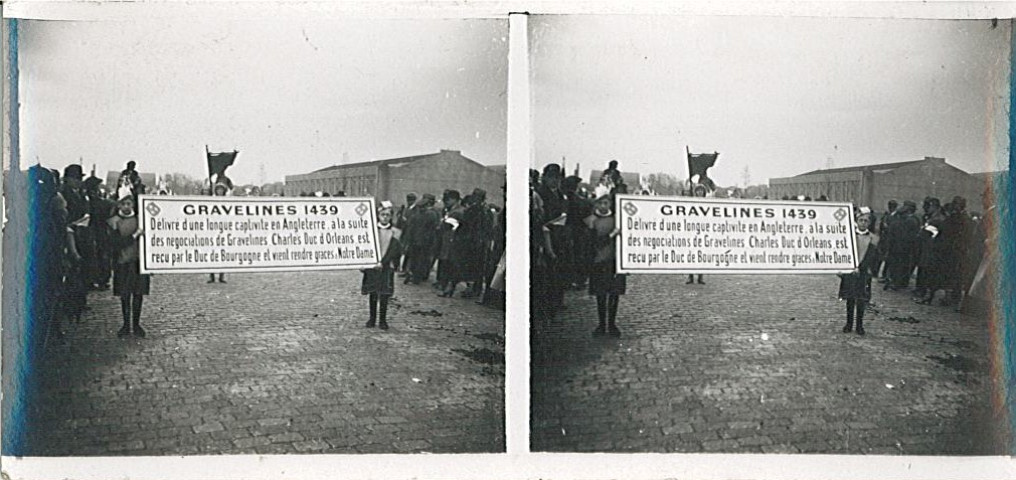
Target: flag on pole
[[699, 163], [218, 162]]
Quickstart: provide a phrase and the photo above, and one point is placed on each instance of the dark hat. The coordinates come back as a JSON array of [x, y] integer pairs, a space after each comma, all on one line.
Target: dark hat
[[131, 164], [909, 203], [453, 195], [73, 171], [552, 170], [479, 194], [92, 183], [960, 202], [411, 195], [428, 197]]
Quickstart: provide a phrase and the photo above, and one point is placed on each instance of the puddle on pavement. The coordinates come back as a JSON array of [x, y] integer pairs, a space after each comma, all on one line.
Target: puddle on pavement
[[493, 337], [903, 319], [485, 356], [482, 355], [427, 313], [955, 362]]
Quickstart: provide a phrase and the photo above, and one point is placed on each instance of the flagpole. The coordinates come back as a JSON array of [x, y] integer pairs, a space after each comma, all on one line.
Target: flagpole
[[211, 186], [687, 161]]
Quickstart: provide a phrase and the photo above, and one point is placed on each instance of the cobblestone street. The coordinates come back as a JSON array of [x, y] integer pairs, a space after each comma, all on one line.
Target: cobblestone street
[[274, 363], [758, 364]]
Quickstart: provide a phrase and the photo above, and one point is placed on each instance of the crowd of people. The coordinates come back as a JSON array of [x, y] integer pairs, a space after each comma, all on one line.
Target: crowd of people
[[464, 237], [83, 236], [571, 241], [571, 247], [943, 244]]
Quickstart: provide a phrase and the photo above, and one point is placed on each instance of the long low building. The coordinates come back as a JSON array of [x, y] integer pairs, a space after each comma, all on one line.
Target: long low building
[[393, 178], [875, 185]]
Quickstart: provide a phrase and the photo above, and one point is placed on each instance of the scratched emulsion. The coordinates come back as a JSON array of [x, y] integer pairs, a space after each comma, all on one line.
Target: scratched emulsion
[[1005, 318], [17, 282]]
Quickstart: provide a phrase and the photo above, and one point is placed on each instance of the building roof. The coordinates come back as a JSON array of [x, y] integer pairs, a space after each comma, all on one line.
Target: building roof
[[398, 162], [858, 168]]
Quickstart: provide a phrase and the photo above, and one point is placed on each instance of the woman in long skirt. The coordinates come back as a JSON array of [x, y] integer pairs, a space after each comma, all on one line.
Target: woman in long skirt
[[379, 282], [604, 282], [855, 287], [128, 282]]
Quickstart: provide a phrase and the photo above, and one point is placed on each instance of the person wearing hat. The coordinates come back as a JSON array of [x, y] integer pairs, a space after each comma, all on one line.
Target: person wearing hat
[[419, 238], [698, 190], [945, 272], [379, 282], [928, 260], [101, 210], [459, 246], [555, 233], [446, 255], [47, 242], [855, 287], [476, 243], [82, 254], [885, 223], [128, 282], [900, 250], [401, 219], [221, 187], [604, 282]]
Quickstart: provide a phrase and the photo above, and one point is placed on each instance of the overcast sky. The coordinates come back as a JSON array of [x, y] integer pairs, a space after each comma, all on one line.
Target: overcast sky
[[780, 95], [293, 95]]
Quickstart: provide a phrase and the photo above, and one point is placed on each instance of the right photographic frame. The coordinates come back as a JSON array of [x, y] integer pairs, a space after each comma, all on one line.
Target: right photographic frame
[[767, 234]]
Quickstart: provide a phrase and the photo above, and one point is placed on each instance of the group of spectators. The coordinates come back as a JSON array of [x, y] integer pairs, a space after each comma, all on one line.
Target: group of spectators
[[73, 247], [944, 244], [564, 241], [464, 236]]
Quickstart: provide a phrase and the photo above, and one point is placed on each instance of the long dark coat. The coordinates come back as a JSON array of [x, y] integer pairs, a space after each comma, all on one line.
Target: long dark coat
[[857, 286], [382, 280]]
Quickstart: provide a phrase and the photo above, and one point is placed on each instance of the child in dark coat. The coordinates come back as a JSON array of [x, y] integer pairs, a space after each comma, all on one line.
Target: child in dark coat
[[379, 282], [855, 287]]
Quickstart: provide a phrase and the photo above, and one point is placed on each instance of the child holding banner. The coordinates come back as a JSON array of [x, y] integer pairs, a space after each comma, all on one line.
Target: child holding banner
[[379, 282], [855, 287], [604, 282], [128, 282]]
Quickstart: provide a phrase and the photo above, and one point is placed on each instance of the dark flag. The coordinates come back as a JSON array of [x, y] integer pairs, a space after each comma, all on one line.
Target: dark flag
[[218, 162], [698, 163]]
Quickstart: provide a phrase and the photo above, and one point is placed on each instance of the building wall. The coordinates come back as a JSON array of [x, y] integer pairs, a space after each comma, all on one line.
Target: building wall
[[354, 181], [839, 187], [448, 171], [434, 174], [928, 179], [874, 188]]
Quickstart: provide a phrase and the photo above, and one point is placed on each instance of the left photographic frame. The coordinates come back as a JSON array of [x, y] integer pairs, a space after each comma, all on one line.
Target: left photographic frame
[[253, 115]]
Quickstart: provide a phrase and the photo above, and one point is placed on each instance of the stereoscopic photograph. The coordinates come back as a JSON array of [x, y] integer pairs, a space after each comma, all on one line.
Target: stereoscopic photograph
[[255, 236], [768, 234]]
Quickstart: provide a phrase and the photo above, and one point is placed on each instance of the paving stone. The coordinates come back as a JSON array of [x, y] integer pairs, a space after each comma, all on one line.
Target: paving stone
[[227, 367], [695, 355]]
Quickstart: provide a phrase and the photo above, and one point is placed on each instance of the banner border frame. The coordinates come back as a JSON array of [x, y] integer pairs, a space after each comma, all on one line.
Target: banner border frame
[[264, 269], [619, 245]]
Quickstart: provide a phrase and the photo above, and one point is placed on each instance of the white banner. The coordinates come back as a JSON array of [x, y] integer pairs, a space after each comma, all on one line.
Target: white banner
[[198, 234], [735, 236]]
